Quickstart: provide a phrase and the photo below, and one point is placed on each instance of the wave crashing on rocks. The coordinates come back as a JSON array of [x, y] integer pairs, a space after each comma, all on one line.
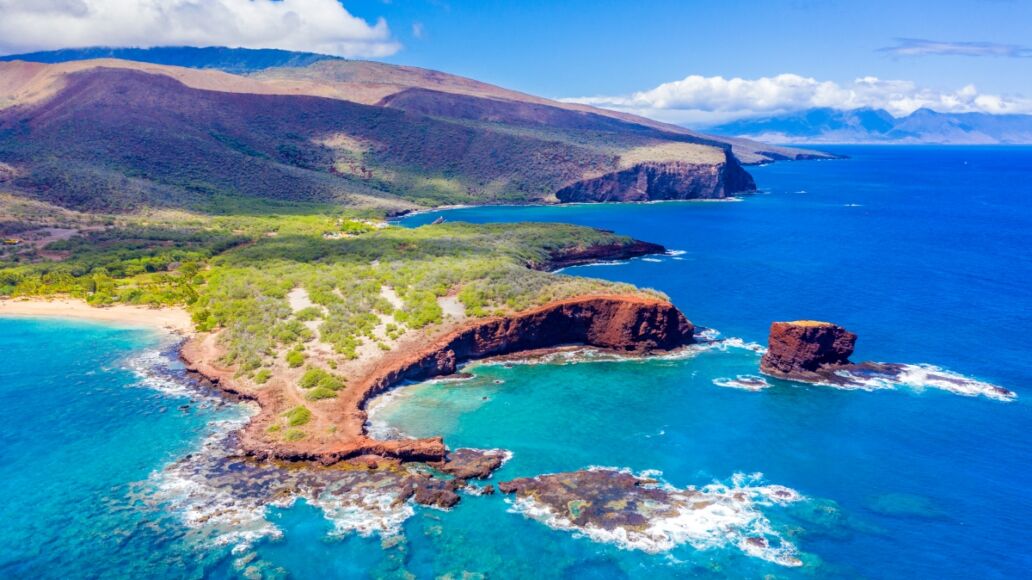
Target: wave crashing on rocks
[[918, 377], [641, 512]]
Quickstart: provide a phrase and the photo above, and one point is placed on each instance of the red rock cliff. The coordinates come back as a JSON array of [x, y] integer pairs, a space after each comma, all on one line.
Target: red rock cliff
[[623, 323], [798, 350]]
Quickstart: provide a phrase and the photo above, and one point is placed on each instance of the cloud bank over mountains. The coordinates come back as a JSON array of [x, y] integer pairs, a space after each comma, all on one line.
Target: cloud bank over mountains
[[701, 101], [322, 26]]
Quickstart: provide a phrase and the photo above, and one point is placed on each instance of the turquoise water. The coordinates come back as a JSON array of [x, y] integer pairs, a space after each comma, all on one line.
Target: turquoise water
[[88, 412], [923, 252]]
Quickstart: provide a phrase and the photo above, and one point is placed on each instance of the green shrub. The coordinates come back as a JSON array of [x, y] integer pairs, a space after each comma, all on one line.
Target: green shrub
[[309, 313], [319, 393], [298, 416], [316, 378], [293, 435], [262, 376], [295, 358]]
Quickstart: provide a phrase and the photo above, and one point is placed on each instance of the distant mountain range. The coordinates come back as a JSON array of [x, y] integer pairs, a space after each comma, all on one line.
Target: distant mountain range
[[923, 126]]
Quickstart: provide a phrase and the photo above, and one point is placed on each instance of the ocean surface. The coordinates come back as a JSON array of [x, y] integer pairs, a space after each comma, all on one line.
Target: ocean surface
[[923, 252]]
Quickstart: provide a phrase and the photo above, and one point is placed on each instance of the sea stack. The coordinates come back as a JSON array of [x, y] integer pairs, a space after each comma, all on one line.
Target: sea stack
[[806, 350]]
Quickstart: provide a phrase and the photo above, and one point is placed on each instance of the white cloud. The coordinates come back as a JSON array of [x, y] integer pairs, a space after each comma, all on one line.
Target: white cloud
[[323, 26], [925, 47], [702, 100]]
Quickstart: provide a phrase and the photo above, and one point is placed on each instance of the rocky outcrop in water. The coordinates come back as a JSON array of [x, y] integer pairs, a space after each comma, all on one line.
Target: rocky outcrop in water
[[654, 181], [806, 350], [818, 352], [472, 463], [638, 512]]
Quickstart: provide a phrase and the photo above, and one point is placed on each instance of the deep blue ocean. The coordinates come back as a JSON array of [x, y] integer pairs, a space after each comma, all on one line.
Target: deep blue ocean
[[923, 252]]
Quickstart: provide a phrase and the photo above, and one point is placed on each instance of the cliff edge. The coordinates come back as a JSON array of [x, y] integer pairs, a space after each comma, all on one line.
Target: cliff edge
[[671, 180]]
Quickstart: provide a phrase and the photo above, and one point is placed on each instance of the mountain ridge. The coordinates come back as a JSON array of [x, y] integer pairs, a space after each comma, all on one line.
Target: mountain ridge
[[116, 135], [874, 126]]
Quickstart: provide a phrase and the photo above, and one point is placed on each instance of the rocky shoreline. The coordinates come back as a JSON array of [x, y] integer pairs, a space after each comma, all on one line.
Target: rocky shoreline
[[628, 324]]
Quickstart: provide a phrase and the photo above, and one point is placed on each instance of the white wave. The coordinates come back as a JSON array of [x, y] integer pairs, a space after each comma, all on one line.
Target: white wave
[[364, 512], [376, 426], [921, 376], [853, 205], [655, 260], [744, 382], [155, 370], [676, 252], [707, 334], [599, 263], [717, 516]]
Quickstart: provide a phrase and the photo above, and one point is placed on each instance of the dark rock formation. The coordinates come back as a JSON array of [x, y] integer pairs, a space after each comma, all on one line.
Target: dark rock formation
[[575, 256], [436, 492], [806, 350], [471, 463], [641, 513], [663, 181], [602, 498]]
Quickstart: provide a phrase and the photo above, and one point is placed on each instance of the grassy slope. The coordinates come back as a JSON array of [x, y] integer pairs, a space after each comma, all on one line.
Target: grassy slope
[[116, 140]]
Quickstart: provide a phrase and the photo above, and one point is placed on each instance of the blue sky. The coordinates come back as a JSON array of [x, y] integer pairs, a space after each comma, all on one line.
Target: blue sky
[[579, 47], [682, 61]]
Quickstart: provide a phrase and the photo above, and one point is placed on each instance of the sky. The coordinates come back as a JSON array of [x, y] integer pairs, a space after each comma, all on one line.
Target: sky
[[684, 61]]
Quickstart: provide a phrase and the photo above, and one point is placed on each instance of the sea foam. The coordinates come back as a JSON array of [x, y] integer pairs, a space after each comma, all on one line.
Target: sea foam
[[744, 382], [919, 377]]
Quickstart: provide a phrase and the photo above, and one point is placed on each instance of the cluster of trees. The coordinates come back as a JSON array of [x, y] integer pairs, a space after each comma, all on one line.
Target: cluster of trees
[[235, 273]]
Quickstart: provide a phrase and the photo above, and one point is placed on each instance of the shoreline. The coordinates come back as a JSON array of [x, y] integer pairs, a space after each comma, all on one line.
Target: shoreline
[[398, 217], [171, 320]]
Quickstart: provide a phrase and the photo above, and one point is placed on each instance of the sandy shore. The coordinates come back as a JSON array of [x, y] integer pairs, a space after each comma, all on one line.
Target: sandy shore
[[168, 319]]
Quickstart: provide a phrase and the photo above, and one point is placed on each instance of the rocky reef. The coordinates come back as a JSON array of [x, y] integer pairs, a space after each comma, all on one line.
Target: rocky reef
[[652, 181], [472, 463], [641, 512]]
